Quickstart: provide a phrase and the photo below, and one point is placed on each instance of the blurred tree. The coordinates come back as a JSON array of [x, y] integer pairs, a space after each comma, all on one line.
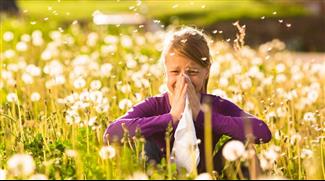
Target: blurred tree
[[9, 6]]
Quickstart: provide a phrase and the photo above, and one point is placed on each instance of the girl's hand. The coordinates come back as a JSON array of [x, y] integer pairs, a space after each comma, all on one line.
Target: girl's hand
[[178, 99], [194, 98]]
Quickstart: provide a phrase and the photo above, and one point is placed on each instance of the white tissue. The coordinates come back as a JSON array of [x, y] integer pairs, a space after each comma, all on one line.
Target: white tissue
[[185, 148]]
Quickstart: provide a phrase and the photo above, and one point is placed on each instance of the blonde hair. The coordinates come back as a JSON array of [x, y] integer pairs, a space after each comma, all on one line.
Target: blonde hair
[[191, 43]]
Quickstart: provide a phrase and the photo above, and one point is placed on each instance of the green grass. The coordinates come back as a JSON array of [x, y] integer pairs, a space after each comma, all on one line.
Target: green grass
[[199, 13]]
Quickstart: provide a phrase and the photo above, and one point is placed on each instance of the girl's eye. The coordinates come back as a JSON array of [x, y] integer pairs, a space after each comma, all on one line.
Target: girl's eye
[[192, 72], [174, 71]]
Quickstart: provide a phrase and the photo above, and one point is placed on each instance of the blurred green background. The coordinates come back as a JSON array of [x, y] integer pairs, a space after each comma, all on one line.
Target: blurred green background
[[201, 13], [299, 23]]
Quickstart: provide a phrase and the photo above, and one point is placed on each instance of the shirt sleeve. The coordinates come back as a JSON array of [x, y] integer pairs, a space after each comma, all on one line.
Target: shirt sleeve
[[142, 116], [229, 119]]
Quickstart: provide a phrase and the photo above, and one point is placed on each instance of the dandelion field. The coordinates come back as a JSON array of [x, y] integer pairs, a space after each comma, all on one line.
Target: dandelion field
[[61, 87]]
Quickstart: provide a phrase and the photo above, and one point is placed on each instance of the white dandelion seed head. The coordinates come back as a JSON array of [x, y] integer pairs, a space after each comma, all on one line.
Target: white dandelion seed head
[[306, 153], [105, 69], [223, 82], [214, 69], [107, 152], [125, 103], [3, 174], [204, 176], [95, 84], [92, 121], [309, 117], [53, 68], [126, 88], [138, 176], [272, 153], [33, 70], [27, 79], [35, 96], [79, 83], [21, 165], [96, 96], [8, 36], [38, 177], [110, 39], [295, 138], [126, 41], [280, 78], [25, 38], [46, 55], [312, 96], [71, 153], [9, 54], [280, 68], [12, 97], [233, 150], [21, 46], [102, 108], [249, 106], [281, 112], [131, 63], [246, 83], [219, 92]]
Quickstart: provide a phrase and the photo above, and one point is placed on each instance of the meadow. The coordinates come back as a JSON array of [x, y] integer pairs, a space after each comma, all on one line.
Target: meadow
[[60, 87]]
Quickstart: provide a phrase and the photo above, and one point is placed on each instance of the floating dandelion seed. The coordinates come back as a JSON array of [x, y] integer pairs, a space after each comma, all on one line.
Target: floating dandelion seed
[[280, 21], [204, 58], [220, 32], [228, 40], [263, 17], [215, 31], [75, 22], [288, 25], [33, 22], [203, 6], [274, 13]]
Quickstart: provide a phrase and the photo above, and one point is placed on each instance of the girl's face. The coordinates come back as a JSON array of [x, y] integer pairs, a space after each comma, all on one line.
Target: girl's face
[[176, 65]]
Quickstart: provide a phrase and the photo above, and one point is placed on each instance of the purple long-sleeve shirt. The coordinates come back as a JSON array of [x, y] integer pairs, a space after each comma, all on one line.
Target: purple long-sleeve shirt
[[152, 117]]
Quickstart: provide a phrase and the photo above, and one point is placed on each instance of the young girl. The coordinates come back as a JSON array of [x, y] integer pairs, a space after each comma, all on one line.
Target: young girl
[[186, 60]]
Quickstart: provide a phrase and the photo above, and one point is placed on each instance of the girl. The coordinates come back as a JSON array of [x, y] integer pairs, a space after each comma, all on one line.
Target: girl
[[186, 60]]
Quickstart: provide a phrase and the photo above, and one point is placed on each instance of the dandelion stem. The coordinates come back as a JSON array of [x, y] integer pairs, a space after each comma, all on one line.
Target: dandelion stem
[[208, 135]]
